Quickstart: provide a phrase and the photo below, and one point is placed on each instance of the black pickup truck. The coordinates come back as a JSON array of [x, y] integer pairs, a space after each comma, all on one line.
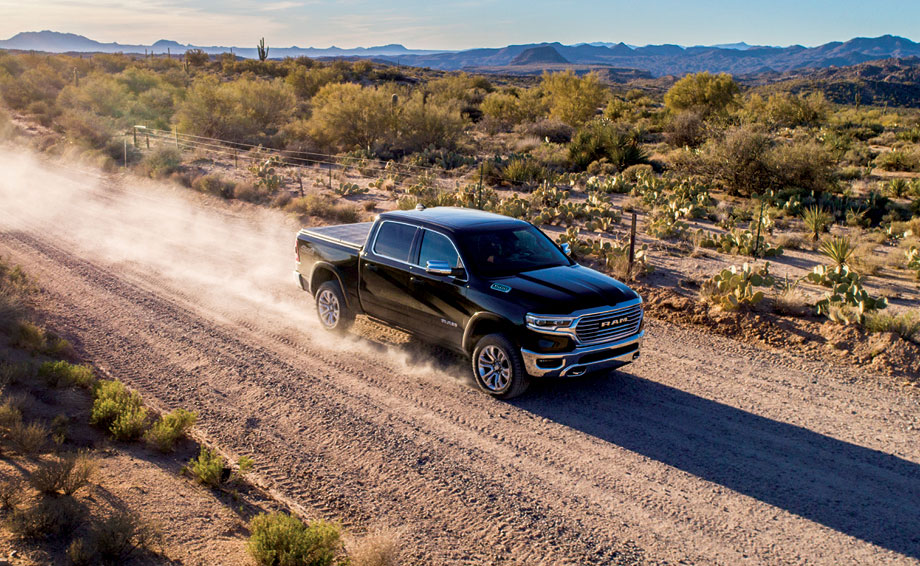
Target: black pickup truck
[[490, 287]]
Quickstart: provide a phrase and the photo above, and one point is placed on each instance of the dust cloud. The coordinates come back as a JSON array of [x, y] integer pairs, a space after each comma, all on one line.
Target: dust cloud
[[232, 258]]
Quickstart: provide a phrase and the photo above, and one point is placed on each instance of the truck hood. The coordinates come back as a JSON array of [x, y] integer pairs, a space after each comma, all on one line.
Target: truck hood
[[564, 289]]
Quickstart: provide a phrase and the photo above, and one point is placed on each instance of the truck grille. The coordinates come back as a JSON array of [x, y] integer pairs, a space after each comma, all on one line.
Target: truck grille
[[609, 326]]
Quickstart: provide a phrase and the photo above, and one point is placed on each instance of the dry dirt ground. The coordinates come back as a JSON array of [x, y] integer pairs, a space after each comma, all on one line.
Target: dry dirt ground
[[706, 451]]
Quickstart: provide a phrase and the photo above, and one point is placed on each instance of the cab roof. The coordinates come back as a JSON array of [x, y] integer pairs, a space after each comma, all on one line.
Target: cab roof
[[452, 218]]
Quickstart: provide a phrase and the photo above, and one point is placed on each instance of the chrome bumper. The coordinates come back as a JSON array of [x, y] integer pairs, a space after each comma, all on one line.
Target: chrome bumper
[[569, 364], [299, 280]]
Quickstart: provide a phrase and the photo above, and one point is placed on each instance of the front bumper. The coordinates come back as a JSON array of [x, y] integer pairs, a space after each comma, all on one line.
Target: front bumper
[[583, 360]]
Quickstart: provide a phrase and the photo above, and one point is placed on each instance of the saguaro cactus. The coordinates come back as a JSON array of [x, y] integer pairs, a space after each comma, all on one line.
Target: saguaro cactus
[[263, 50]]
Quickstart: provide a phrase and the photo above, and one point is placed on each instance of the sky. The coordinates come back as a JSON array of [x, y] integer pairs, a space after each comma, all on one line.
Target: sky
[[463, 24]]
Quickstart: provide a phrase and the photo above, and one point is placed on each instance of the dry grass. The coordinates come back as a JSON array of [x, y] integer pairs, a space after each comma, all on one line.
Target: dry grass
[[906, 325], [794, 241], [323, 207], [66, 474], [866, 261], [380, 548], [27, 439]]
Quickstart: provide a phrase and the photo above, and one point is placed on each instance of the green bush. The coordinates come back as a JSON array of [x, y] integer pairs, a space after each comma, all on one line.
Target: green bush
[[602, 139], [906, 325], [702, 92], [170, 428], [162, 161], [208, 468], [278, 539], [64, 374], [898, 160], [323, 207], [118, 410]]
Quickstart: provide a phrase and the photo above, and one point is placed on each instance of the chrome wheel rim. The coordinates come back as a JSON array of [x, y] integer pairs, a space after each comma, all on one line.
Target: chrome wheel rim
[[494, 368], [329, 310]]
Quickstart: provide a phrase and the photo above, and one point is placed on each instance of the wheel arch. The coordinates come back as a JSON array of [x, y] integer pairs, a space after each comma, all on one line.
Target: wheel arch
[[482, 324], [323, 272]]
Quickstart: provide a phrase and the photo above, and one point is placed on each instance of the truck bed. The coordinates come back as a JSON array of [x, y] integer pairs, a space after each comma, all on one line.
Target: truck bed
[[351, 235]]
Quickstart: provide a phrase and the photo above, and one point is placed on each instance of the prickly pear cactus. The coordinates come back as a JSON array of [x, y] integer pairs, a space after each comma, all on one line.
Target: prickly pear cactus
[[733, 288]]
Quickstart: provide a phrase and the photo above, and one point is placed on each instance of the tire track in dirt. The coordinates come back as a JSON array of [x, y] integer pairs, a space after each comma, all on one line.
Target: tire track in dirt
[[706, 450]]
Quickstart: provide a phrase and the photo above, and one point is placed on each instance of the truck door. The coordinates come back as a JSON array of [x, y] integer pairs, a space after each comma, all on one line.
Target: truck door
[[385, 272], [438, 308]]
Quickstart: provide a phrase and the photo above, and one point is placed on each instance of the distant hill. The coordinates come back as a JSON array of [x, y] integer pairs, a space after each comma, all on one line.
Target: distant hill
[[738, 59], [538, 56], [56, 42], [895, 82]]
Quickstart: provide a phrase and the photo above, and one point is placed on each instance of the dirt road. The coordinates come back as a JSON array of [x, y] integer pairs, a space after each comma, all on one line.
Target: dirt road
[[706, 451]]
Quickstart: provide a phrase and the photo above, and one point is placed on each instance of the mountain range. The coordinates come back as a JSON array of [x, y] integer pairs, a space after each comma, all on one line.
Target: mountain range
[[656, 60]]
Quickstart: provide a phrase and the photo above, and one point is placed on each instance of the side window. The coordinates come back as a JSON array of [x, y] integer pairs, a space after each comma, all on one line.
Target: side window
[[437, 247], [394, 240]]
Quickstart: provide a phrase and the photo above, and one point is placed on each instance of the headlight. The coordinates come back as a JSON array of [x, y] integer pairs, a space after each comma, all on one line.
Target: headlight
[[545, 323]]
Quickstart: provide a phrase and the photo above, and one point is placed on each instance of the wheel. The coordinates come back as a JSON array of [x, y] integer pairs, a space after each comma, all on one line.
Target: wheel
[[330, 308], [498, 367]]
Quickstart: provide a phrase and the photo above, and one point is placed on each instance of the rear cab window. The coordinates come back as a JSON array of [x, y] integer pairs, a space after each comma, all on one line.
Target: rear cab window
[[394, 240]]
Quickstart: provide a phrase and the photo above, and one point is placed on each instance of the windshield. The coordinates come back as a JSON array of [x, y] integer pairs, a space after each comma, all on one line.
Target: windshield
[[500, 252]]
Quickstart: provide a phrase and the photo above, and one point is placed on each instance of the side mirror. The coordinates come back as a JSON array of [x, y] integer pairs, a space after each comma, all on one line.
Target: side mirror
[[566, 249], [437, 267]]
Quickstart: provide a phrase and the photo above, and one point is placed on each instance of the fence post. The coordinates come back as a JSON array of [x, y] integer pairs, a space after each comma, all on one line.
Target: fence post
[[330, 177], [126, 152], [134, 131], [632, 246], [479, 191], [759, 224], [176, 130], [147, 136], [300, 182]]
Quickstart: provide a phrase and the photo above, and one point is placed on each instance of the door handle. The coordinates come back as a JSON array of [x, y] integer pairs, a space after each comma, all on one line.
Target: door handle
[[370, 266]]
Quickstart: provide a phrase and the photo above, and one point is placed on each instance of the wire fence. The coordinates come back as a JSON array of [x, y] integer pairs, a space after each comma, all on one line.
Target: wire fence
[[303, 164]]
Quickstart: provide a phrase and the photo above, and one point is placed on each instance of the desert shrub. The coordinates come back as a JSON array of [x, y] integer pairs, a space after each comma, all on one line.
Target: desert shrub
[[423, 124], [807, 167], [555, 131], [208, 468], [50, 517], [118, 410], [348, 116], [278, 539], [906, 324], [12, 494], [898, 160], [27, 439], [787, 110], [603, 140], [197, 57], [501, 111], [573, 99], [323, 207], [170, 428], [702, 92], [214, 185], [162, 161], [739, 162], [113, 540], [65, 474], [64, 374], [28, 336], [686, 129], [307, 81], [10, 415], [380, 548], [897, 187], [245, 110]]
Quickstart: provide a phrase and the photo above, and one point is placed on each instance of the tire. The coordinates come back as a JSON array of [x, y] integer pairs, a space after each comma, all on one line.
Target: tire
[[331, 310], [498, 367]]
